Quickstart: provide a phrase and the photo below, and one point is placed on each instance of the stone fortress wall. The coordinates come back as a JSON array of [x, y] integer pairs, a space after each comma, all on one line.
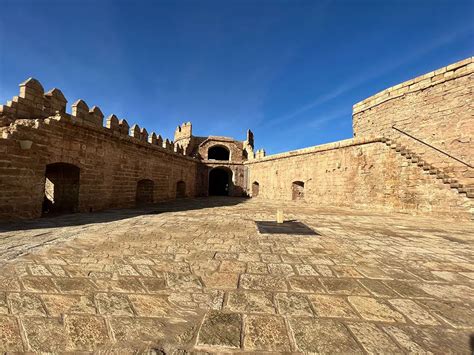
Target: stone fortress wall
[[119, 166], [412, 152], [435, 110], [426, 166]]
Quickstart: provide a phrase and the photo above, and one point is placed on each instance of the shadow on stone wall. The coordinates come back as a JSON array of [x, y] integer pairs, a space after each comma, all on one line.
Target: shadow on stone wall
[[111, 215]]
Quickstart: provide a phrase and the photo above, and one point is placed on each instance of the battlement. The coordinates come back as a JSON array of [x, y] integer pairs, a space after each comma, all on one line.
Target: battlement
[[183, 131], [33, 103]]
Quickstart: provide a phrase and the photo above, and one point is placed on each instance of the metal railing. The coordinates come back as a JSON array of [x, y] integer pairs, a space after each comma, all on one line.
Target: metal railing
[[432, 147]]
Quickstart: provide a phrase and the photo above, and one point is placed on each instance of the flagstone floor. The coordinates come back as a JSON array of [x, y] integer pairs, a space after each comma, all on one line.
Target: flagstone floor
[[196, 275]]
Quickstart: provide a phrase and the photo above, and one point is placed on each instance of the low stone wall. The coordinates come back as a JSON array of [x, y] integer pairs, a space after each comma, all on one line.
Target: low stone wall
[[358, 173]]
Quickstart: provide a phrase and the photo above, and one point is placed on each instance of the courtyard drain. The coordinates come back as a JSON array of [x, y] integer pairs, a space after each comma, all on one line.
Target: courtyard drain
[[287, 227]]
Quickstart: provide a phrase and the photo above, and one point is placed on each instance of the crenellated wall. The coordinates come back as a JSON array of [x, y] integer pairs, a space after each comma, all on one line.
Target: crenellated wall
[[412, 152], [436, 108], [36, 132]]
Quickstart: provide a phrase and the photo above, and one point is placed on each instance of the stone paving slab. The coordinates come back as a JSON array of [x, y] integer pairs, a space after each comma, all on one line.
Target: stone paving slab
[[197, 276]]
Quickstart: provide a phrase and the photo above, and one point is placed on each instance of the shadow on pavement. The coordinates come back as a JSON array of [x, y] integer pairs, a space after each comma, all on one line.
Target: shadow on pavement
[[77, 219]]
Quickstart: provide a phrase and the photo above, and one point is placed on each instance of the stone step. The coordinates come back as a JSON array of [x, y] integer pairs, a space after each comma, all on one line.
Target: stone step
[[455, 185]]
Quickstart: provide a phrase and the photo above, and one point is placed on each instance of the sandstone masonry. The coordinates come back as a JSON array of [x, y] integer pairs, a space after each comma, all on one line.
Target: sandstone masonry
[[412, 152]]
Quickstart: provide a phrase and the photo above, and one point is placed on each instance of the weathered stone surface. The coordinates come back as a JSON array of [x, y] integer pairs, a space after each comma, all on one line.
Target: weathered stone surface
[[323, 336], [184, 241], [45, 334], [426, 340], [38, 284], [74, 285], [10, 339], [57, 305], [265, 333], [86, 332], [250, 302], [153, 306], [458, 315], [183, 281], [293, 304], [221, 329], [221, 280], [26, 304], [414, 312], [3, 303], [305, 284], [373, 339], [138, 333], [113, 304], [343, 287], [332, 306], [154, 284], [376, 310], [260, 282], [377, 288]]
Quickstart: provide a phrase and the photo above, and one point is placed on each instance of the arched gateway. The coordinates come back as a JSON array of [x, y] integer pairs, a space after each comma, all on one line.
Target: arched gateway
[[220, 180]]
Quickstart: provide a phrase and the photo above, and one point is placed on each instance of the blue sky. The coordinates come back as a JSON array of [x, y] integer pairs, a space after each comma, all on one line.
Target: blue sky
[[288, 70]]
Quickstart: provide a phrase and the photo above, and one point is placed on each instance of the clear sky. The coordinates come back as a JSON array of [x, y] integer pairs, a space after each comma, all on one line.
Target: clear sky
[[289, 70]]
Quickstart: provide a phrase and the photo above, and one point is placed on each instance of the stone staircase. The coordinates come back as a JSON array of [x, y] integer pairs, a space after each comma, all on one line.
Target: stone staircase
[[466, 190]]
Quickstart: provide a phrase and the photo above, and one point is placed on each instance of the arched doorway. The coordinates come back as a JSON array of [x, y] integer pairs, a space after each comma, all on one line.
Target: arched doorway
[[297, 188], [144, 193], [255, 189], [218, 152], [180, 189], [220, 180], [61, 189]]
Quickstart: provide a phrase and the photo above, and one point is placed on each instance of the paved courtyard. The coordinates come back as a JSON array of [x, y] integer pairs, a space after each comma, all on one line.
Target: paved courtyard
[[196, 275]]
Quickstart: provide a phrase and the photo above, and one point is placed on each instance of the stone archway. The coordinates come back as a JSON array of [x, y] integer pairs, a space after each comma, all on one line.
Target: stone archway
[[218, 152], [144, 193], [220, 180], [61, 190], [255, 189]]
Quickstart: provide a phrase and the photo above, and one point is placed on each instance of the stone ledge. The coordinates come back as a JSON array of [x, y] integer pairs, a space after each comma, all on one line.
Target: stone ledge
[[318, 148], [439, 76]]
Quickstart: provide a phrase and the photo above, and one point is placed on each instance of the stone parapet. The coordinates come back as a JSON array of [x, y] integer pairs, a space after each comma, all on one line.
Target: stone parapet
[[422, 82], [33, 104], [318, 148]]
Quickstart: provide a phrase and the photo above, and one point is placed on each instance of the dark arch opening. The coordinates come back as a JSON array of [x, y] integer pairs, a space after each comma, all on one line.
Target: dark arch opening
[[255, 189], [297, 188], [180, 189], [218, 152], [219, 182], [144, 193], [61, 189]]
